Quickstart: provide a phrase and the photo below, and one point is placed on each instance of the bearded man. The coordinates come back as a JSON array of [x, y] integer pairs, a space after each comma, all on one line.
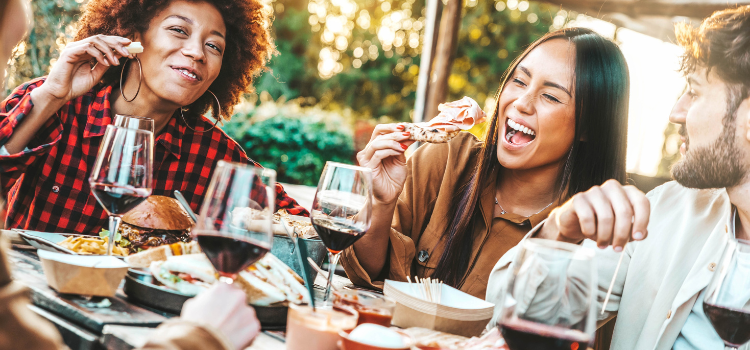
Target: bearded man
[[658, 293]]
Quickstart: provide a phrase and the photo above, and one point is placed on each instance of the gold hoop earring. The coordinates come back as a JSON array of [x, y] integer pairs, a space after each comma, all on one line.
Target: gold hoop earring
[[217, 116], [140, 79]]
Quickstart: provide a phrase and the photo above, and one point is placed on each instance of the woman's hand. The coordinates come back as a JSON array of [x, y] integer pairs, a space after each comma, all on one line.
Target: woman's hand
[[225, 308], [384, 154], [610, 214], [72, 76]]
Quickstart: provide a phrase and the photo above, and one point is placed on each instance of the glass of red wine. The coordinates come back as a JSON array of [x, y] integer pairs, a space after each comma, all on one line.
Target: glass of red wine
[[550, 300], [341, 210], [121, 178], [727, 298], [234, 225], [134, 122]]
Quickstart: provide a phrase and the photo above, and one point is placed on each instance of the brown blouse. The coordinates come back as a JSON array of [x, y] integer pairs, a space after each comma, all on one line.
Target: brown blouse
[[435, 175]]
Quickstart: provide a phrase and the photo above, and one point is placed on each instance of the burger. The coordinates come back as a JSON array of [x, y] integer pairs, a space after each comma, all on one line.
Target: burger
[[157, 221]]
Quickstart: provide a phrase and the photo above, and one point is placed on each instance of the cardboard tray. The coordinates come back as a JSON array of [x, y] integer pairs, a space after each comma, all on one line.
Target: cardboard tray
[[457, 313], [83, 275]]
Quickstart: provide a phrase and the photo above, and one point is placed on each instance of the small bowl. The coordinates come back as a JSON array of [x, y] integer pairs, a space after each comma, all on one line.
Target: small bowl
[[348, 344]]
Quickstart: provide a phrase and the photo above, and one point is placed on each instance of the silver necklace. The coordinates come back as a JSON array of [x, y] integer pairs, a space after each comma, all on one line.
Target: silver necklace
[[502, 211]]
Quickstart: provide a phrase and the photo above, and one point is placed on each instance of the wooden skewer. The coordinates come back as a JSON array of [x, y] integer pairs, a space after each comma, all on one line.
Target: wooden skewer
[[612, 284]]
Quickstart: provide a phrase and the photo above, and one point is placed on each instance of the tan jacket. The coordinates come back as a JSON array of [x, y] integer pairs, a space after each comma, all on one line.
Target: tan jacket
[[660, 277], [21, 328], [434, 177]]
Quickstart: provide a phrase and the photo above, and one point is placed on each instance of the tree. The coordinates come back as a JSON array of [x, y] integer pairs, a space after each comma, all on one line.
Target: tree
[[53, 28], [364, 54]]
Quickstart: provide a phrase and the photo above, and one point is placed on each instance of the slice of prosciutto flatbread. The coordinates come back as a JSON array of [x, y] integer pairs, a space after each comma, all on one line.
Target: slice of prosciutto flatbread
[[422, 132]]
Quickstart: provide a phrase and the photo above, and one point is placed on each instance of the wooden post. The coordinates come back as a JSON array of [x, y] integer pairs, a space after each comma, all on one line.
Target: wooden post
[[444, 55], [432, 18]]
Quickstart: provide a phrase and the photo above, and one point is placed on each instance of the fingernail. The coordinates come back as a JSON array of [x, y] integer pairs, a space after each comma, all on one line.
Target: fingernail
[[602, 246], [618, 249], [400, 127], [638, 235], [404, 146], [406, 133]]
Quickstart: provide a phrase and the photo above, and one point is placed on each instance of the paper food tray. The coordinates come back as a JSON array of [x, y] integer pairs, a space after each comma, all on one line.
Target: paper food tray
[[84, 275], [457, 313]]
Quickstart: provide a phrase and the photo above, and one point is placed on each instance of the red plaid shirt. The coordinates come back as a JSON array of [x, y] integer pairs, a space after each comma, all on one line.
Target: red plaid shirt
[[47, 185]]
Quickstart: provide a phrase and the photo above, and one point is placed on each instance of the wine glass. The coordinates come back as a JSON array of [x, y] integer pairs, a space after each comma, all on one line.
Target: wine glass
[[550, 299], [341, 210], [234, 225], [727, 298], [134, 122], [121, 178]]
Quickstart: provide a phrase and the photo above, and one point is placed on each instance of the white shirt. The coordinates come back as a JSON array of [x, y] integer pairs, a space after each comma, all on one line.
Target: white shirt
[[661, 277], [697, 332]]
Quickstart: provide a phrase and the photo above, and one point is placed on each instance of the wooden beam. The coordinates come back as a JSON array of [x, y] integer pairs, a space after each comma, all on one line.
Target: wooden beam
[[633, 8], [450, 23]]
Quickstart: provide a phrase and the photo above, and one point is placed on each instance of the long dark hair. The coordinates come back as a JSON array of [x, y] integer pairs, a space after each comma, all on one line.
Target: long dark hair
[[601, 109]]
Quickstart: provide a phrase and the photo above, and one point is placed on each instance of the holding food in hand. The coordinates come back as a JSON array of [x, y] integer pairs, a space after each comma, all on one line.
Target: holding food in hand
[[168, 60], [454, 117], [459, 202]]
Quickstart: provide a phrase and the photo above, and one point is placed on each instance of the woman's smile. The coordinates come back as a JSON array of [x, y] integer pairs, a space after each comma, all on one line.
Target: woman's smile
[[187, 73], [517, 134]]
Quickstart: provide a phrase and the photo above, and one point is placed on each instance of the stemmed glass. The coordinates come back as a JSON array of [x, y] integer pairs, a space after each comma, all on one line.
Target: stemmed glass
[[550, 299], [342, 210], [121, 178], [234, 225], [727, 298], [134, 122]]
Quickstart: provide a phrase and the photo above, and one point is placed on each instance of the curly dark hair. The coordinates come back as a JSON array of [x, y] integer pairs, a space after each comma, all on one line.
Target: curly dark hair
[[249, 45], [722, 42]]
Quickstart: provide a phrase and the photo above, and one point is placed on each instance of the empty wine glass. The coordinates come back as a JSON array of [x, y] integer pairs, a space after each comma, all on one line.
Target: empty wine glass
[[121, 178], [727, 298], [550, 299], [134, 122], [342, 210], [234, 225]]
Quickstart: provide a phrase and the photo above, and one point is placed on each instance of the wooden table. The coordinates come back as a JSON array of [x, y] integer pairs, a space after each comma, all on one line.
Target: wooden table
[[85, 324]]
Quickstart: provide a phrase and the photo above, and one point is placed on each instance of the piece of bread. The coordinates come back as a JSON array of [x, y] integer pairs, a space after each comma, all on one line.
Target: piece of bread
[[258, 291], [270, 281], [161, 253], [160, 213], [422, 132], [134, 47], [196, 265]]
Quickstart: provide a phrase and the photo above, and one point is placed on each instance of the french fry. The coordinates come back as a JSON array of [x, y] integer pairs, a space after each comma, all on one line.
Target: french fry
[[91, 245]]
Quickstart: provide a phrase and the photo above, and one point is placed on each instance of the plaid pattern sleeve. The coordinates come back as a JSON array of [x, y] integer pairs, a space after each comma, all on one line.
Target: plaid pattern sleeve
[[47, 186], [12, 112]]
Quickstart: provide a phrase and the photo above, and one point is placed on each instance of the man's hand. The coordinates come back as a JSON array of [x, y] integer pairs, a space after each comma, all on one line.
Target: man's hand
[[610, 214]]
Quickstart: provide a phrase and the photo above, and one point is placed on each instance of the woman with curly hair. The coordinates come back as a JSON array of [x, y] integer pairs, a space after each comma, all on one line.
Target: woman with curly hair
[[197, 55]]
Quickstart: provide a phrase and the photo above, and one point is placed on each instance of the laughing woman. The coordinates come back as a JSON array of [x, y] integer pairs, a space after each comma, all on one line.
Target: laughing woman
[[452, 210], [197, 55]]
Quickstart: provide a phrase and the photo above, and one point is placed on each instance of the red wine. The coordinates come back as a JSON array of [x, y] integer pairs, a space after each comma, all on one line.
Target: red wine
[[118, 199], [732, 325], [336, 236], [230, 255], [527, 335]]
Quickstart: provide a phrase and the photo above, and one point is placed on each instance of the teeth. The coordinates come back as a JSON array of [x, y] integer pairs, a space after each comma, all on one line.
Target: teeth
[[520, 128], [186, 73]]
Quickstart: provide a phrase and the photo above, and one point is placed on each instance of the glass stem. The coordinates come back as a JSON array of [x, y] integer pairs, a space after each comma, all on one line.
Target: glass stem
[[114, 225], [333, 260]]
